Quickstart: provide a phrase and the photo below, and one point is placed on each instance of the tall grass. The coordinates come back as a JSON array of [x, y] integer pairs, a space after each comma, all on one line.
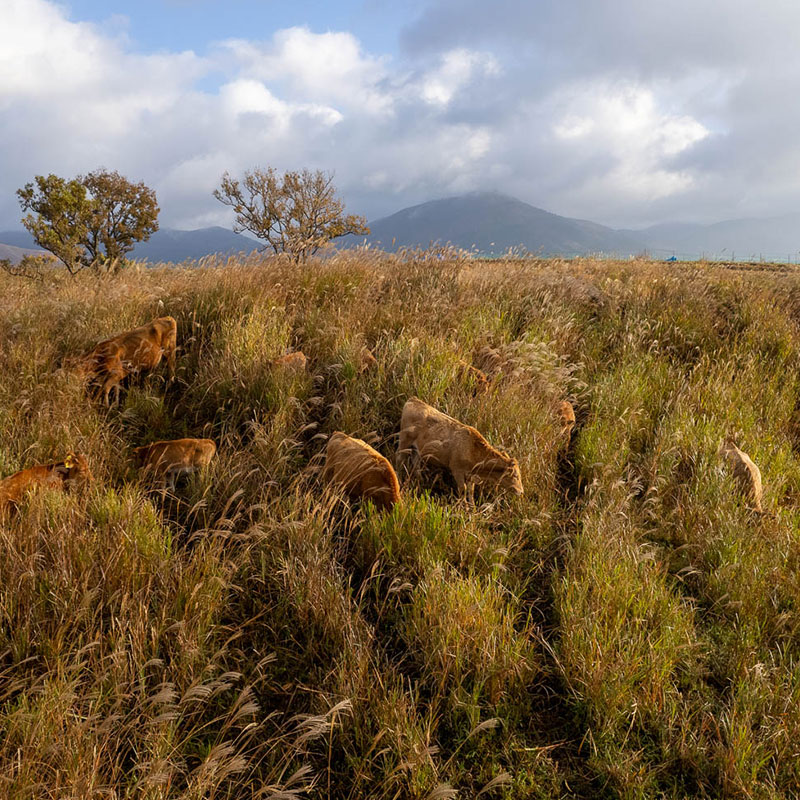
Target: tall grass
[[628, 628]]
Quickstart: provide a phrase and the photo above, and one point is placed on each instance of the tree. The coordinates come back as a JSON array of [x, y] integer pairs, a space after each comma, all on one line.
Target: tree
[[296, 213], [90, 221]]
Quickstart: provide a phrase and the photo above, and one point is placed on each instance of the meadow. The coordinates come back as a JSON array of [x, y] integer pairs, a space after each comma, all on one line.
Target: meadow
[[627, 629]]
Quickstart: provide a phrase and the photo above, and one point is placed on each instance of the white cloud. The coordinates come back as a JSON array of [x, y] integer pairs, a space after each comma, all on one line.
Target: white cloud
[[321, 67], [625, 124], [73, 97], [456, 70]]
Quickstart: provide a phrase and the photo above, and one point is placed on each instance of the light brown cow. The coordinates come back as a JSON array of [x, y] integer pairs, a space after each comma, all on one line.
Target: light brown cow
[[291, 362], [745, 472], [170, 459], [489, 360], [143, 348], [103, 367], [428, 434], [566, 416], [478, 378], [361, 470], [366, 361], [62, 475], [137, 350]]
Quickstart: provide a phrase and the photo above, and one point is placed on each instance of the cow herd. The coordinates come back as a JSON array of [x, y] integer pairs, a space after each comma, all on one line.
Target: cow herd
[[427, 436]]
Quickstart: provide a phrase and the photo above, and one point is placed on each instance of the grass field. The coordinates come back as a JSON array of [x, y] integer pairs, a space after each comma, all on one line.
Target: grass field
[[626, 629]]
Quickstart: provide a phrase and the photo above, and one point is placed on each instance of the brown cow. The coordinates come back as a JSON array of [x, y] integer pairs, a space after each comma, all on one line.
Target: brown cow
[[291, 362], [478, 378], [137, 350], [566, 416], [168, 460], [361, 470], [489, 360], [745, 472], [428, 434], [103, 366], [61, 475], [366, 361]]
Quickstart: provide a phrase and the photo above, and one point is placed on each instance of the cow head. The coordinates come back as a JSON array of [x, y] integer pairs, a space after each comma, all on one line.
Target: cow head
[[140, 455], [76, 469], [511, 478]]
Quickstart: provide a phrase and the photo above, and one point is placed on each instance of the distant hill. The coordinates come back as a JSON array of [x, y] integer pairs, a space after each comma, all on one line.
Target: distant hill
[[492, 223], [167, 244], [170, 244], [776, 238], [15, 254]]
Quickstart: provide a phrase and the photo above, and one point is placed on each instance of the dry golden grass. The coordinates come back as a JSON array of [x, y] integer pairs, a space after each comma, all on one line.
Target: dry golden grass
[[629, 628]]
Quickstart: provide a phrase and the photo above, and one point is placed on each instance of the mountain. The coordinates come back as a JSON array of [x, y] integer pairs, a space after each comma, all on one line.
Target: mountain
[[167, 244], [18, 238], [170, 244], [492, 223], [775, 238], [15, 254]]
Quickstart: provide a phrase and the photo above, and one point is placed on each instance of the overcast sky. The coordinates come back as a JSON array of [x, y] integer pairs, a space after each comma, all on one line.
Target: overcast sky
[[624, 112]]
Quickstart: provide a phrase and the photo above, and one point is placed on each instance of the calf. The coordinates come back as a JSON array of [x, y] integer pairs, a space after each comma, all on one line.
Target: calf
[[62, 475], [366, 361], [489, 360], [168, 460], [745, 472], [137, 350], [361, 471], [103, 366], [566, 416], [428, 434], [291, 362], [142, 348], [474, 375]]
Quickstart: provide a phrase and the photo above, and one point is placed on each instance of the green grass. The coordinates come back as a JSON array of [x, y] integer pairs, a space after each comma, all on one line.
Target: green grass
[[628, 628]]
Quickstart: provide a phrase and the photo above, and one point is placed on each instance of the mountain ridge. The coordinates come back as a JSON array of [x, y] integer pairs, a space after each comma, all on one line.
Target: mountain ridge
[[491, 222], [166, 244]]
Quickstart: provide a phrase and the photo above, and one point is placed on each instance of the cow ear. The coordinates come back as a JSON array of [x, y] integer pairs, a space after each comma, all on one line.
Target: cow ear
[[69, 461]]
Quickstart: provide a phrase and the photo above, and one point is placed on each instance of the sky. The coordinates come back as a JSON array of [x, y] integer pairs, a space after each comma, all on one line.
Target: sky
[[624, 112]]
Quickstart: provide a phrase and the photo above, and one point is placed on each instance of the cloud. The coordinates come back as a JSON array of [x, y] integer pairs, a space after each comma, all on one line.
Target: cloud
[[619, 111], [73, 98], [726, 71]]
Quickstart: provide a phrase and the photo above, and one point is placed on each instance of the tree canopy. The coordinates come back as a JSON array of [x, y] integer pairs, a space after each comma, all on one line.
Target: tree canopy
[[294, 213], [91, 221]]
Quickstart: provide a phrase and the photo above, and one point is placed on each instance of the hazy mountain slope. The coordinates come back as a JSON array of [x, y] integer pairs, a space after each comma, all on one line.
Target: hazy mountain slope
[[170, 244], [777, 237], [167, 244], [18, 238], [492, 222], [15, 254]]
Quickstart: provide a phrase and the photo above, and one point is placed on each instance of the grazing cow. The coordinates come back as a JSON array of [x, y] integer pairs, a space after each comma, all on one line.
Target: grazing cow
[[103, 366], [489, 360], [428, 434], [745, 472], [291, 362], [366, 361], [137, 350], [61, 475], [566, 416], [142, 348], [361, 470], [478, 378], [170, 459]]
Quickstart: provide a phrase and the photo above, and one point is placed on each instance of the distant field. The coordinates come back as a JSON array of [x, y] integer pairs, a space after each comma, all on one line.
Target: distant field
[[626, 629]]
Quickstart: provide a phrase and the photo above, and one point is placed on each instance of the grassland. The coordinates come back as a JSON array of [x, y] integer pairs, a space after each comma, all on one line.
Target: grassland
[[627, 629]]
